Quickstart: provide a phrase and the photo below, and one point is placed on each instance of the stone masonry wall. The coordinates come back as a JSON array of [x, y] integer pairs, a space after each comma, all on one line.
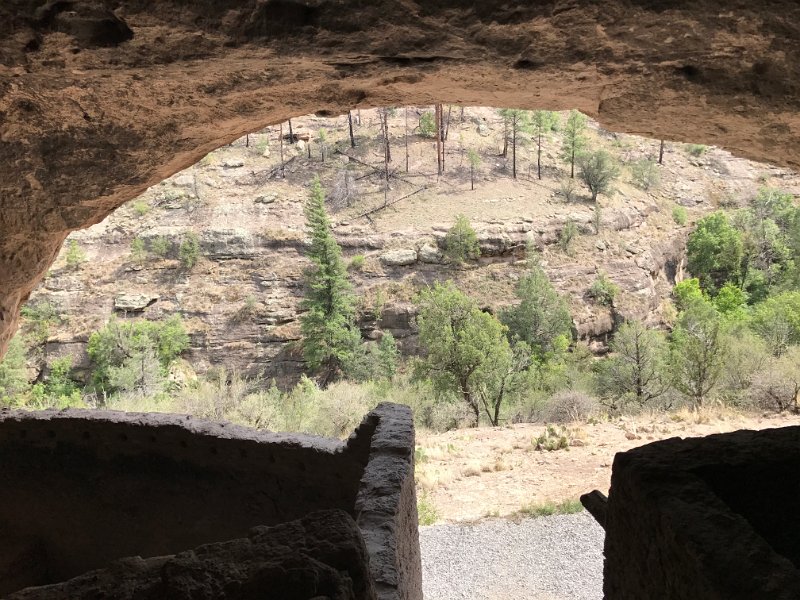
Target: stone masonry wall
[[81, 488], [705, 518]]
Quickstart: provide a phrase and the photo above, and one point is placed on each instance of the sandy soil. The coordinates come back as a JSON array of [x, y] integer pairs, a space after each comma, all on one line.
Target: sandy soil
[[468, 474]]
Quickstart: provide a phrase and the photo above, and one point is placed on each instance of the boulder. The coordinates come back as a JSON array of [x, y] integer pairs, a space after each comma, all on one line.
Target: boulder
[[232, 164], [126, 302], [399, 258], [429, 253], [224, 244]]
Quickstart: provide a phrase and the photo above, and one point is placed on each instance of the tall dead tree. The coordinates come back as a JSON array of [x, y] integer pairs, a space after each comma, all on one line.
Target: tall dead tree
[[405, 137], [447, 122], [291, 135], [350, 122], [283, 164], [661, 153], [438, 113]]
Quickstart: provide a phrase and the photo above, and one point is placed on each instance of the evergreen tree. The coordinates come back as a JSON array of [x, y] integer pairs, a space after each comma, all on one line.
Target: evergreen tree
[[328, 323], [574, 139]]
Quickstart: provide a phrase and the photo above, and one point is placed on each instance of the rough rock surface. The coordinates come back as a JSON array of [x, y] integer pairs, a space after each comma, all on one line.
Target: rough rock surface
[[711, 517], [320, 555], [100, 100], [399, 258]]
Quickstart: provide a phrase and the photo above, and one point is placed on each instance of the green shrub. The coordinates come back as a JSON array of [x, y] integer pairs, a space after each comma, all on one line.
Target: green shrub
[[357, 263], [603, 290], [13, 372], [461, 242], [189, 250], [427, 124], [138, 251], [679, 215], [39, 317], [645, 174], [567, 236], [426, 511], [373, 361], [75, 255], [161, 246], [141, 208], [696, 149]]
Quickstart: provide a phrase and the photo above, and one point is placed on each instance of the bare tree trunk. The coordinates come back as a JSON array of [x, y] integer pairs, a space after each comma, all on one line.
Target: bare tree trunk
[[461, 119], [539, 155], [514, 149], [350, 123], [405, 136], [447, 125], [438, 111], [505, 138], [358, 117], [283, 164], [661, 153], [472, 176], [308, 147], [291, 135], [247, 140]]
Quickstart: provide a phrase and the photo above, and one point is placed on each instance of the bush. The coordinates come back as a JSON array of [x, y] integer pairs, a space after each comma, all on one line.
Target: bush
[[373, 361], [189, 250], [427, 124], [567, 189], [567, 236], [461, 242], [679, 215], [75, 255], [568, 406], [13, 372], [357, 263], [603, 290], [598, 171], [645, 174], [161, 246], [777, 387], [696, 149], [141, 208], [138, 252]]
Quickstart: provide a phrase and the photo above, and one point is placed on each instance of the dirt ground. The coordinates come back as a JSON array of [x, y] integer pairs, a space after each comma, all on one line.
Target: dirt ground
[[469, 474]]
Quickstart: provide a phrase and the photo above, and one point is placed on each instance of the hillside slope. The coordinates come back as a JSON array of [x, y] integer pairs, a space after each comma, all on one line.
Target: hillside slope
[[240, 301]]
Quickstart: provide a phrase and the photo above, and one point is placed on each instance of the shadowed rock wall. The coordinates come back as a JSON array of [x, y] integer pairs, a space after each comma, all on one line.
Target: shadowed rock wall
[[713, 518], [80, 488], [101, 99]]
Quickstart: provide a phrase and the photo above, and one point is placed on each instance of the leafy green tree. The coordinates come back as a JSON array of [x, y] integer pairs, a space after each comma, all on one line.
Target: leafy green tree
[[567, 237], [541, 319], [76, 256], [715, 252], [427, 125], [135, 355], [574, 140], [731, 302], [466, 350], [373, 361], [474, 162], [542, 123], [328, 323], [160, 246], [518, 122], [637, 369], [777, 321], [687, 292], [13, 372], [461, 242], [58, 389], [598, 171], [697, 351], [189, 250]]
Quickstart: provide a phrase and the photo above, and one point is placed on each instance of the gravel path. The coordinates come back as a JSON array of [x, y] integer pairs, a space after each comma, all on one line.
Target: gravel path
[[545, 558]]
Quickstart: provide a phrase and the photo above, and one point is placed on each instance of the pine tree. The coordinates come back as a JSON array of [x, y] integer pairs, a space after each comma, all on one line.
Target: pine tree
[[574, 139], [328, 323]]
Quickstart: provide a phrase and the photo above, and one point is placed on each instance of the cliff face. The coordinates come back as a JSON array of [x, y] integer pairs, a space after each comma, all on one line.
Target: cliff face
[[100, 100], [241, 301]]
